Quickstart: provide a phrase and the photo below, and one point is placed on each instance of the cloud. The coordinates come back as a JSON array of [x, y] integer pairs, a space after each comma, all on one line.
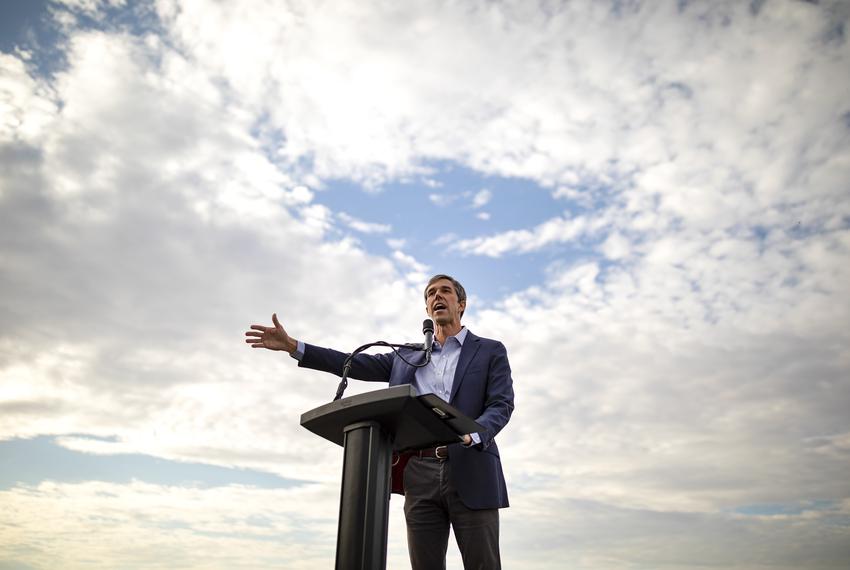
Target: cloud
[[363, 227], [409, 261], [192, 524], [616, 246], [546, 115], [417, 272], [481, 198], [143, 230], [688, 344], [558, 230], [670, 375], [573, 194], [442, 200]]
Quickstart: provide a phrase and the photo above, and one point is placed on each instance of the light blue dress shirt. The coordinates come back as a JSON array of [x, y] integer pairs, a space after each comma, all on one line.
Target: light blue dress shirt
[[436, 378], [439, 376]]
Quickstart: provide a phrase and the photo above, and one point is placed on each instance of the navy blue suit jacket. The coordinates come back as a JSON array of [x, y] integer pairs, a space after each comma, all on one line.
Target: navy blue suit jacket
[[482, 389]]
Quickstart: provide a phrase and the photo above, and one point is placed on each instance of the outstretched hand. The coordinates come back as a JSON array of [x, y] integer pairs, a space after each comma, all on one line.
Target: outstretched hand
[[272, 338]]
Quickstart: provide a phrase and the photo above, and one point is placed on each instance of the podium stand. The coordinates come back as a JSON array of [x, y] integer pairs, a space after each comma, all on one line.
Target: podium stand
[[370, 427]]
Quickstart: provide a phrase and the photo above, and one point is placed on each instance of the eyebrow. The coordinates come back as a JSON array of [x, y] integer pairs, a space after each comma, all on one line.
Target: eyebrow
[[432, 289]]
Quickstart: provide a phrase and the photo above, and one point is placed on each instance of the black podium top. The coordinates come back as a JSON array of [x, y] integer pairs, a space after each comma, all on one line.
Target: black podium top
[[413, 421]]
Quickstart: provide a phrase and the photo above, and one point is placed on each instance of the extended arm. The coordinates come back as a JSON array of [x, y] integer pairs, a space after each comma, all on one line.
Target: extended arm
[[375, 367], [370, 367]]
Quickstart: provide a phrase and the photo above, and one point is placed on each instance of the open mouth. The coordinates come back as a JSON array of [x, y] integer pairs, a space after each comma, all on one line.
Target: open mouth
[[439, 307]]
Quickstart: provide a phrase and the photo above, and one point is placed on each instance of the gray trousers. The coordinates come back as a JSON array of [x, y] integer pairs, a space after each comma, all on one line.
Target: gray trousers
[[431, 505]]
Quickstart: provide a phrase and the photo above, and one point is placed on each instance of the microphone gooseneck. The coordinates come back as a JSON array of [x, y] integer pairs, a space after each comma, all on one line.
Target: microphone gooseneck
[[427, 330]]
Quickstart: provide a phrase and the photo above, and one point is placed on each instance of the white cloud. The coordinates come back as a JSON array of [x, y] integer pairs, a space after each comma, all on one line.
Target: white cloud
[[409, 261], [669, 383], [145, 224], [101, 525], [442, 200], [554, 231], [301, 195], [143, 230], [363, 227], [547, 113], [446, 239], [90, 7], [26, 106], [476, 200], [417, 273], [583, 198], [481, 198], [616, 246]]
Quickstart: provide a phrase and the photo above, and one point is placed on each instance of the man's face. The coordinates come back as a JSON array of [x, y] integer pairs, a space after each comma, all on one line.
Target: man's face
[[441, 302]]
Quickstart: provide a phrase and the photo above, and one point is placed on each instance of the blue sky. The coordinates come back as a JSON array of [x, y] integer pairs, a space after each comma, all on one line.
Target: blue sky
[[647, 202], [444, 204], [32, 461]]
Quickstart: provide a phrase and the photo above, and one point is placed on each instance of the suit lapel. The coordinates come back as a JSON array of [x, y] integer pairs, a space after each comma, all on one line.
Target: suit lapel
[[467, 353]]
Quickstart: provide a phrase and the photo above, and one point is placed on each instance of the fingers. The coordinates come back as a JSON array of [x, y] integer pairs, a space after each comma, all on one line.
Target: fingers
[[259, 334]]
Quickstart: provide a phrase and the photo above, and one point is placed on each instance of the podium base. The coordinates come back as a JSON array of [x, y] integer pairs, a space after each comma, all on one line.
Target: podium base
[[365, 498]]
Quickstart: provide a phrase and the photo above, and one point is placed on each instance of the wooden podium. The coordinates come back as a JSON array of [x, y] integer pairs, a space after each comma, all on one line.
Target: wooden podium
[[370, 427]]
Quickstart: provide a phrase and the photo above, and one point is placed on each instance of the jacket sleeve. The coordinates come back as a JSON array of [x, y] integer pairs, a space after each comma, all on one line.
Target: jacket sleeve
[[369, 367], [499, 396]]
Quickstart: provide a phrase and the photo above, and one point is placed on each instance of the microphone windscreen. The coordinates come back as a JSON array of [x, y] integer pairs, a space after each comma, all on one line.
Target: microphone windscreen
[[427, 326]]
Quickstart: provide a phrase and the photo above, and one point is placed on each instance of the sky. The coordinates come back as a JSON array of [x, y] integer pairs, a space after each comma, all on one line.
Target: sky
[[646, 201]]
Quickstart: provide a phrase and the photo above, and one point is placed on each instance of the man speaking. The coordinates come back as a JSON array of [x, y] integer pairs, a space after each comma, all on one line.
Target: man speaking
[[459, 485]]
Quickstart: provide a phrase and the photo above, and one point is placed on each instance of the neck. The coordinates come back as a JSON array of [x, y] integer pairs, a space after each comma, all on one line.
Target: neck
[[442, 332]]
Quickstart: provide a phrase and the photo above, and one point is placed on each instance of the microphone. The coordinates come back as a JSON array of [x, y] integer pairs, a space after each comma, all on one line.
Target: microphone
[[428, 331]]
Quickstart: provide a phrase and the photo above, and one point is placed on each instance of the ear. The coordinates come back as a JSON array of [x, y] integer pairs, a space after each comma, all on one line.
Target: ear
[[462, 307]]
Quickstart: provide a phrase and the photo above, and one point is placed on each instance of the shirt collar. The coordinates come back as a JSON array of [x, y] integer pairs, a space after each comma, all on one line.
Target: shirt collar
[[461, 336]]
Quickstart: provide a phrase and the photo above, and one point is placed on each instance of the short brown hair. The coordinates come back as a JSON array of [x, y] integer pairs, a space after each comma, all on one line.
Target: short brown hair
[[459, 290]]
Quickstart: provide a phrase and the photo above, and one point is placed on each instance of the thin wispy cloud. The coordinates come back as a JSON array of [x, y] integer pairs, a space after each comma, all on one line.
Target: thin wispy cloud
[[481, 198], [362, 226], [443, 200], [558, 230]]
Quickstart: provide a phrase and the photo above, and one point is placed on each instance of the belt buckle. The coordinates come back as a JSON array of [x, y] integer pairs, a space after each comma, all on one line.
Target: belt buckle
[[444, 450]]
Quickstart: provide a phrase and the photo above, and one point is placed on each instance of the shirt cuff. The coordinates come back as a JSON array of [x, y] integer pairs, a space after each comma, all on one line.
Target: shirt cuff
[[476, 439], [299, 352]]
